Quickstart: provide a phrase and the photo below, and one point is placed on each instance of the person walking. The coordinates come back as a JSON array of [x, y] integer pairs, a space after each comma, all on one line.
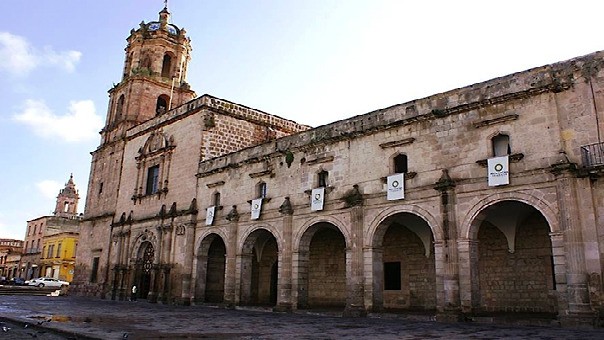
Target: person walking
[[133, 295]]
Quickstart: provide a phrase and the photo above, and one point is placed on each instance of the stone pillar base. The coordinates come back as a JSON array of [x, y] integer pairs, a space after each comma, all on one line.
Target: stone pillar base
[[283, 308], [183, 301], [354, 311], [583, 320], [450, 316]]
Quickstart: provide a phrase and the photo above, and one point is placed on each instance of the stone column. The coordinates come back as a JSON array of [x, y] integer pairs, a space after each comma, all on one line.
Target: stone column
[[579, 311], [374, 278], [230, 289], [284, 295], [157, 279], [451, 310], [355, 278], [188, 285]]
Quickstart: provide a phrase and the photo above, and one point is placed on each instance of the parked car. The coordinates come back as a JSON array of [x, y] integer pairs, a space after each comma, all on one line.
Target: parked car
[[16, 281], [46, 282]]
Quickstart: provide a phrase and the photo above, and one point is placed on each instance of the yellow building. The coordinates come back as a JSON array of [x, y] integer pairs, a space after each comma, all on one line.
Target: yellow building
[[58, 255]]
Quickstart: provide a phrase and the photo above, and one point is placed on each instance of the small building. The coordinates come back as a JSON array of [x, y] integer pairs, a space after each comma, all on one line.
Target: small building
[[10, 254], [58, 255], [65, 218]]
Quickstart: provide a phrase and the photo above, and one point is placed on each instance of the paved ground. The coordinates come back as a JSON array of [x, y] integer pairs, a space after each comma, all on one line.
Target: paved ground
[[81, 318]]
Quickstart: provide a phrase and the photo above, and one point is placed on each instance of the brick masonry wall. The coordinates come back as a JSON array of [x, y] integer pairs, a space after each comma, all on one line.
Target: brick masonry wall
[[518, 282], [418, 276], [327, 269]]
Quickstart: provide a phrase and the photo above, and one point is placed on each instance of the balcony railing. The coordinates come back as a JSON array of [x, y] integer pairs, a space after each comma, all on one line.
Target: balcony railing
[[592, 154]]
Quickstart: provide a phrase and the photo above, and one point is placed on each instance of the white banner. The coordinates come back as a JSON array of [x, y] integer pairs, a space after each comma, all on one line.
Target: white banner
[[396, 187], [210, 215], [316, 199], [498, 171], [256, 207]]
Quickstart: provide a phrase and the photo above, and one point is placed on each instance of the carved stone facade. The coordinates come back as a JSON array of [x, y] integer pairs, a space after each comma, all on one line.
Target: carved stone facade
[[171, 203]]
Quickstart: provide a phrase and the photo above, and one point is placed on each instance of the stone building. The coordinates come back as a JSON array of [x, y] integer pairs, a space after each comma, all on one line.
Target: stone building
[[65, 218], [477, 200], [10, 254]]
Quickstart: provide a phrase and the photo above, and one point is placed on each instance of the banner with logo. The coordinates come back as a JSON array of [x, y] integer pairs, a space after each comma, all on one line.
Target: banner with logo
[[316, 199], [210, 215], [498, 171], [256, 207], [396, 187]]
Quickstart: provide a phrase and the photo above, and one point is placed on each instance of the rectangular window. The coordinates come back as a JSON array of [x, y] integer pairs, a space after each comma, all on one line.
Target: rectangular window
[[95, 269], [392, 276], [323, 179], [262, 190], [152, 180], [50, 251], [59, 250]]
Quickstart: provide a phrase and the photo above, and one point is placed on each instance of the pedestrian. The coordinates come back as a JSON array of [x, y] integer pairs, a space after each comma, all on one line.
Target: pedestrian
[[133, 295]]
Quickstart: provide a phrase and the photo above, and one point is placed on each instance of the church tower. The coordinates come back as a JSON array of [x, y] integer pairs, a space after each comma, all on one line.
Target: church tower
[[153, 81], [153, 78], [67, 200]]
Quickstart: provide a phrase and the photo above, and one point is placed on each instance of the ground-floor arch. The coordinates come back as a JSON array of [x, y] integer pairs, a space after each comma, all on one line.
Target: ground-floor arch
[[404, 274], [143, 277], [322, 267], [211, 269], [514, 266], [259, 269]]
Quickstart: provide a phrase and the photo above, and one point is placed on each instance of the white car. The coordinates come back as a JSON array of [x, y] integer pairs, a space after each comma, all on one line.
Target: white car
[[46, 282]]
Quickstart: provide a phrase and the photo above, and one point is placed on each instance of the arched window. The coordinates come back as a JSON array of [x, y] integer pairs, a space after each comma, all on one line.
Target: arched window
[[400, 163], [162, 105], [166, 66], [501, 145], [119, 108]]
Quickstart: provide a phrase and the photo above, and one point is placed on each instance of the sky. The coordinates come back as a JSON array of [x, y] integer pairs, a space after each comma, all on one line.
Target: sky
[[312, 61]]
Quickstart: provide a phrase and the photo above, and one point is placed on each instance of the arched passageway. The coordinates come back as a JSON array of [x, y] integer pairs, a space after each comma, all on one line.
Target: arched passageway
[[259, 269], [211, 267], [144, 268], [322, 267], [404, 264], [515, 263]]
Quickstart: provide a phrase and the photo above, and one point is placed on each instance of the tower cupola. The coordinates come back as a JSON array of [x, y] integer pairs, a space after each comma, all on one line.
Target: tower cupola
[[153, 78], [67, 200]]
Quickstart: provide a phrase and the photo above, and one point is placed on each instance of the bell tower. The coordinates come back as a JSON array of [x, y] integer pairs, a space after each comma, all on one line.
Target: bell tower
[[67, 200], [153, 79]]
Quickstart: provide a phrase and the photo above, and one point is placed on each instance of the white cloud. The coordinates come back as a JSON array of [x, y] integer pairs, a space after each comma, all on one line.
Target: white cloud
[[19, 57], [48, 188], [80, 122]]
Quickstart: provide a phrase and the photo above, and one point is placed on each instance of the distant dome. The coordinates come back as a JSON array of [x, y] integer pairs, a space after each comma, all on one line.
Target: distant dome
[[156, 25]]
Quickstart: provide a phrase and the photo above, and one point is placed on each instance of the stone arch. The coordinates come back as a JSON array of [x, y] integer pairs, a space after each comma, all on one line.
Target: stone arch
[[247, 231], [307, 227], [168, 63], [473, 218], [211, 268], [422, 213], [161, 104], [402, 258], [511, 258], [145, 235], [259, 261], [147, 256], [322, 263]]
